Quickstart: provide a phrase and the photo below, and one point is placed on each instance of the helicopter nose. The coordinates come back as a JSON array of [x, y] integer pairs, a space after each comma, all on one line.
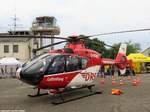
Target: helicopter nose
[[29, 77]]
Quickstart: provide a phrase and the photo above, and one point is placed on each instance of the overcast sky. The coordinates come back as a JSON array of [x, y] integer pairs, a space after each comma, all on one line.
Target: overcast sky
[[84, 17]]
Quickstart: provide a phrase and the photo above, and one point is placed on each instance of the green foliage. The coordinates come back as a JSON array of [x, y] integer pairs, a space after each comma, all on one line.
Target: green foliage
[[99, 46], [131, 48], [96, 45]]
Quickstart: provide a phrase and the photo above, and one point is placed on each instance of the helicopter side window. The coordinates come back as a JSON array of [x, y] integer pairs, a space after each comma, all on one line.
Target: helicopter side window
[[72, 63], [57, 66], [83, 63]]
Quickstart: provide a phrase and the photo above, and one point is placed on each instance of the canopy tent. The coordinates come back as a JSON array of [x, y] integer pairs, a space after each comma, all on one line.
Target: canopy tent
[[139, 61], [9, 61], [138, 57], [8, 67]]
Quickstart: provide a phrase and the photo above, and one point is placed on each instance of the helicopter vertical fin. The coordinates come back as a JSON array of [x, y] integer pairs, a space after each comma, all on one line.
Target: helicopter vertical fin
[[121, 59], [121, 52]]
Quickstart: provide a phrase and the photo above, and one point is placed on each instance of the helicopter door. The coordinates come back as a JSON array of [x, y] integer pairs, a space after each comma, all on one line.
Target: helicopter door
[[83, 62], [57, 66], [74, 63]]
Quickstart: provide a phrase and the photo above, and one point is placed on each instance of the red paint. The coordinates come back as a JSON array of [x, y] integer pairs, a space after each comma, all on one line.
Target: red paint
[[61, 80]]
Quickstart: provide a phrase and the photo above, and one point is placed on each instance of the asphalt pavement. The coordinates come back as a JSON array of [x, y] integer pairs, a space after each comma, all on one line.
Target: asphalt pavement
[[13, 96]]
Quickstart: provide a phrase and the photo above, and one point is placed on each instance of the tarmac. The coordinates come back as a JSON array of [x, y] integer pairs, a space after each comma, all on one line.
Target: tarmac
[[13, 96]]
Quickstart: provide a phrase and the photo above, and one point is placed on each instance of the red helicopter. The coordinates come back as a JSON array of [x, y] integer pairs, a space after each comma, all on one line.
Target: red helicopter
[[70, 68], [73, 67]]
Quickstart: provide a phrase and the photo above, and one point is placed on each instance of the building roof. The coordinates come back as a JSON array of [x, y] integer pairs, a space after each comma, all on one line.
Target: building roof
[[147, 49], [13, 39]]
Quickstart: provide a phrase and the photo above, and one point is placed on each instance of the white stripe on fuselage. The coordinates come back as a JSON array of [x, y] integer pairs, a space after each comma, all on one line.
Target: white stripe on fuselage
[[80, 80]]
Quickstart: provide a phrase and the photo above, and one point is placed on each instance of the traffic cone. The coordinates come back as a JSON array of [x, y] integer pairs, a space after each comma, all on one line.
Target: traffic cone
[[137, 79], [112, 76], [134, 82], [113, 81], [129, 78], [121, 82], [102, 82]]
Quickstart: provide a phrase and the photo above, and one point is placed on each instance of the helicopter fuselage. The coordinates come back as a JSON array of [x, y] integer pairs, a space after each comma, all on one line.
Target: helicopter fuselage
[[71, 67], [58, 69]]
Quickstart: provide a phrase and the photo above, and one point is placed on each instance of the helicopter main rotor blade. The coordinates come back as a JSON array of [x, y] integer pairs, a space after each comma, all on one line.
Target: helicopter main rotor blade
[[110, 46], [38, 49], [118, 32], [126, 31], [74, 39], [104, 44], [31, 36]]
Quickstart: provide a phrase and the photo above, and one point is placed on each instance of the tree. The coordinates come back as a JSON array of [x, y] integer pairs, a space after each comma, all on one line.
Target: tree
[[131, 48], [99, 46], [96, 45]]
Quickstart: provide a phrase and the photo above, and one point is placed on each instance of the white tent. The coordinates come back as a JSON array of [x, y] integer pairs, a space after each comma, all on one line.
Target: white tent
[[9, 61], [8, 66]]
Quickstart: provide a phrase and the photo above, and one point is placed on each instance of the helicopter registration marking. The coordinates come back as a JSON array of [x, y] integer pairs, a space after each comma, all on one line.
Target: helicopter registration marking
[[88, 76]]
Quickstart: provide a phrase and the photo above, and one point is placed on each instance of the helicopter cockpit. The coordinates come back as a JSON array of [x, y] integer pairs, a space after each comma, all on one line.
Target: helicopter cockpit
[[48, 64]]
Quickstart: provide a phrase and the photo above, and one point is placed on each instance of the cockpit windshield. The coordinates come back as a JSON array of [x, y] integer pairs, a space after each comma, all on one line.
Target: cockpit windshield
[[33, 60], [39, 62], [53, 63]]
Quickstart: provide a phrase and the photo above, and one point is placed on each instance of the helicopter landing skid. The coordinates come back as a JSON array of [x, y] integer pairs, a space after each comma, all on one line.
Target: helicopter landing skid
[[37, 94], [62, 100]]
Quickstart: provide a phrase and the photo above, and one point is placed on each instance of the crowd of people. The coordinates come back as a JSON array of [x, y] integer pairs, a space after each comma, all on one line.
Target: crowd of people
[[112, 69], [8, 71]]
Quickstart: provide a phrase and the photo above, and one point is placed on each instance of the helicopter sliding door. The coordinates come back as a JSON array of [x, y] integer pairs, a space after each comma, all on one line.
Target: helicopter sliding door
[[66, 63], [74, 63]]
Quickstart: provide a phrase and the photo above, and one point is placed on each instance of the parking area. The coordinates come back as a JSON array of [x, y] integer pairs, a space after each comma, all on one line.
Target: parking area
[[13, 96]]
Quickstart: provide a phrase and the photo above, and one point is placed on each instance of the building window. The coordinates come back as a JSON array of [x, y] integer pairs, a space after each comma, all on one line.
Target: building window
[[15, 48], [6, 48]]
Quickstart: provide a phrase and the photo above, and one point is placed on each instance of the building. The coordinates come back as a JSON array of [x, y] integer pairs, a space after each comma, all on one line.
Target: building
[[45, 25], [20, 48], [146, 52]]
